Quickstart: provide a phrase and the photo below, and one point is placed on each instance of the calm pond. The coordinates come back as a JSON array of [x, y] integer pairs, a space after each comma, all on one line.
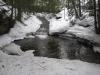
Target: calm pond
[[61, 48]]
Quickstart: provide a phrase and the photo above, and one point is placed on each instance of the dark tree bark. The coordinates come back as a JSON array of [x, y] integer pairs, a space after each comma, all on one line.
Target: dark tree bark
[[68, 5], [19, 15], [12, 4], [80, 14], [95, 16], [19, 8], [98, 16], [74, 6]]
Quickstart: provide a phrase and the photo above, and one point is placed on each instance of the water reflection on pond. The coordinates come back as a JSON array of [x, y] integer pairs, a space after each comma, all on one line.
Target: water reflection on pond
[[54, 47]]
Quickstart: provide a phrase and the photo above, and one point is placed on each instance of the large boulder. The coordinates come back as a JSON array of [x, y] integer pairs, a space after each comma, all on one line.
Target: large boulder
[[6, 22]]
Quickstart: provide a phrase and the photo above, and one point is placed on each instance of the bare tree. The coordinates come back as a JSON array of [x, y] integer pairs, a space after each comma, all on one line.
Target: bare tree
[[95, 16], [98, 16], [80, 14], [74, 6]]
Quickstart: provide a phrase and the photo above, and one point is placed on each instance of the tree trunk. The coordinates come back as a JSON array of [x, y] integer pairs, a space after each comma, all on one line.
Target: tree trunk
[[12, 4], [80, 9], [64, 5], [19, 8], [95, 16], [76, 13], [19, 15], [98, 16]]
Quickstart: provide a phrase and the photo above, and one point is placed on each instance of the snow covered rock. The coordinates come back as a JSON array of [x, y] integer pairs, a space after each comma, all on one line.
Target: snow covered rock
[[42, 36], [60, 23], [57, 26], [12, 49], [63, 14], [96, 49], [28, 53], [86, 22]]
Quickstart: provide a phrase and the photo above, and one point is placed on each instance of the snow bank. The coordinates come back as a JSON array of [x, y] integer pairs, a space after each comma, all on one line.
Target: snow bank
[[84, 28], [32, 24], [12, 49], [86, 22], [63, 14], [30, 65], [86, 33], [59, 25], [42, 36], [19, 31], [46, 15]]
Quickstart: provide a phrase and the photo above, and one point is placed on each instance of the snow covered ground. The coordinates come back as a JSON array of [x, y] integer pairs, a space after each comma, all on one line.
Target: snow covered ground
[[27, 64]]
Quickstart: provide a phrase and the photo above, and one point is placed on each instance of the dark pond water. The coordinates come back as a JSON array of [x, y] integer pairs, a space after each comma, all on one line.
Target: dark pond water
[[55, 47]]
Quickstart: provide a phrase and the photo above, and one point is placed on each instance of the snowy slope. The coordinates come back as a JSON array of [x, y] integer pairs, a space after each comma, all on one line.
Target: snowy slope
[[59, 25], [19, 31]]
